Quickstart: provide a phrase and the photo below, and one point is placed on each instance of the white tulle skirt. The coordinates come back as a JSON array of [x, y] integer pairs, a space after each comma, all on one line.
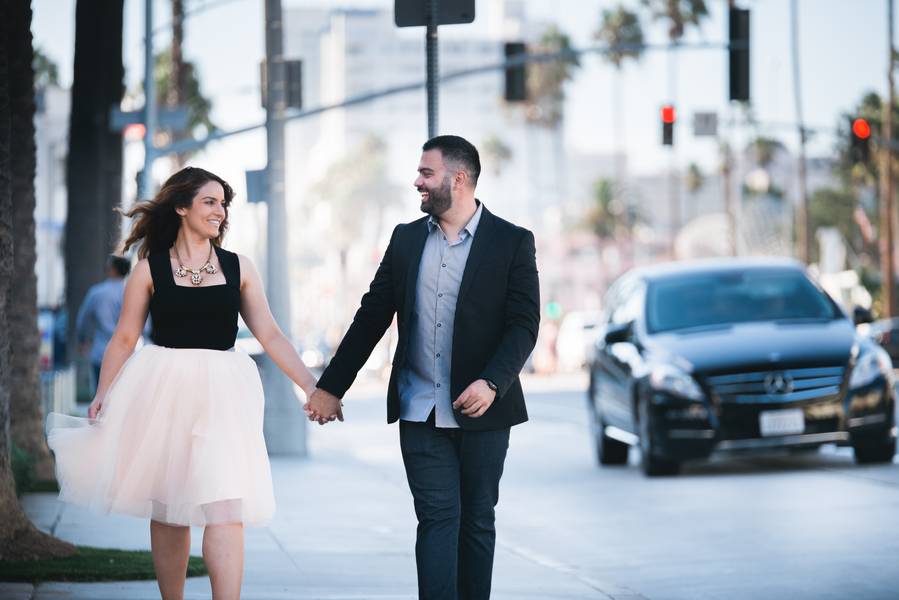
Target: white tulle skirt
[[178, 440]]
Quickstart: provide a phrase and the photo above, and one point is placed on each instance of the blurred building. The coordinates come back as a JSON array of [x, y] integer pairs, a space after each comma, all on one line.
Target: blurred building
[[51, 124], [346, 52]]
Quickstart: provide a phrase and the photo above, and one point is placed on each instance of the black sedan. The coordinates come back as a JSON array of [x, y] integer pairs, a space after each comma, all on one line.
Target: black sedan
[[733, 355]]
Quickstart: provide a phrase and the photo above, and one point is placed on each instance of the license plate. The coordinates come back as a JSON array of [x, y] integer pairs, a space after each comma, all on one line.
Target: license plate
[[782, 422]]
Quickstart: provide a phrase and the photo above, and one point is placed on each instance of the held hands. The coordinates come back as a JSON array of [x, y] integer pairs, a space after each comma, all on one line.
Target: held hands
[[475, 399], [323, 407]]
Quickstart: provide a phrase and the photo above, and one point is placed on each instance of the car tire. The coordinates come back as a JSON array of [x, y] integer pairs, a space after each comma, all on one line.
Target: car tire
[[652, 464], [879, 450], [609, 451]]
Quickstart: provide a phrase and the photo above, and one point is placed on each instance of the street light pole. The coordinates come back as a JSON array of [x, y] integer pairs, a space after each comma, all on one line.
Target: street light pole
[[145, 191], [285, 424]]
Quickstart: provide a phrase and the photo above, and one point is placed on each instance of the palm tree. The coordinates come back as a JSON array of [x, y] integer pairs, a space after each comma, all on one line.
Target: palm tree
[[546, 95], [190, 96], [177, 85], [94, 161], [804, 220], [496, 152], [26, 416], [19, 539], [679, 15], [694, 182], [358, 192], [620, 27]]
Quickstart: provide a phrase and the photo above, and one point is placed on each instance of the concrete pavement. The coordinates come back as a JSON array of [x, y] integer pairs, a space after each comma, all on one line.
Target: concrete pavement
[[344, 529]]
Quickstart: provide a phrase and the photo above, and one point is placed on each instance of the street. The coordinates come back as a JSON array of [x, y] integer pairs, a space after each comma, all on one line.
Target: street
[[780, 526]]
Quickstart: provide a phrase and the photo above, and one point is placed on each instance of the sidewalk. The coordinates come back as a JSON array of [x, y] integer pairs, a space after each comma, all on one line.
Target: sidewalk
[[344, 530]]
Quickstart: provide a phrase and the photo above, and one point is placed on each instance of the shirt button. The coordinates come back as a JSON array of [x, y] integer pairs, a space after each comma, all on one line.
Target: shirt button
[[440, 295], [443, 265], [438, 355], [439, 325], [438, 385]]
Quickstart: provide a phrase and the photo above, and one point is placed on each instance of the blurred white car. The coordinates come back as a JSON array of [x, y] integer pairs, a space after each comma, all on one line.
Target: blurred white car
[[577, 332]]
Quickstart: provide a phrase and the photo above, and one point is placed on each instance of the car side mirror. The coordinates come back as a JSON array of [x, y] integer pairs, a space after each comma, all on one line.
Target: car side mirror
[[618, 333], [862, 315]]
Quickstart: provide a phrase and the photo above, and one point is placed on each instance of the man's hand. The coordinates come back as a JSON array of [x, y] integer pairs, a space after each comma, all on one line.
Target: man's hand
[[476, 399], [323, 407]]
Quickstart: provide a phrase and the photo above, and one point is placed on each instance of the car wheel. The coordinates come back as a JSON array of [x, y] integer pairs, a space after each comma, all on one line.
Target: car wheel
[[878, 450], [652, 464], [609, 451]]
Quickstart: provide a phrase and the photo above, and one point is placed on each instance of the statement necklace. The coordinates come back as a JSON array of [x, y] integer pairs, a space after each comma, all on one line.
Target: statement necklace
[[195, 274]]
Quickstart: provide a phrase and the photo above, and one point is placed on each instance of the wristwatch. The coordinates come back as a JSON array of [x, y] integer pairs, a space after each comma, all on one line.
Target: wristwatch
[[491, 385]]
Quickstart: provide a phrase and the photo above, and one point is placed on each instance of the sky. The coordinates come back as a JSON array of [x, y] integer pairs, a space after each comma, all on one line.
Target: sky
[[842, 49]]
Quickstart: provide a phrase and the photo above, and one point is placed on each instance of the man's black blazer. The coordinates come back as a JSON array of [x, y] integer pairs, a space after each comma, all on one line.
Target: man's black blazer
[[495, 327]]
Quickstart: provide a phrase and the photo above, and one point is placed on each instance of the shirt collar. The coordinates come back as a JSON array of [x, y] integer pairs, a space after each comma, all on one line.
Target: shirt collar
[[469, 228]]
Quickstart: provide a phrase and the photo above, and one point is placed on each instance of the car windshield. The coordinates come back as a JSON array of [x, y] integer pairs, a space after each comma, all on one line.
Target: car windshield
[[712, 299]]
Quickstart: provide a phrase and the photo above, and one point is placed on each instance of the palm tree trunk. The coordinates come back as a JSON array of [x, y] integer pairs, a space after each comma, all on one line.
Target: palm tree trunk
[[94, 162], [179, 76], [804, 233], [18, 537], [887, 200], [27, 415]]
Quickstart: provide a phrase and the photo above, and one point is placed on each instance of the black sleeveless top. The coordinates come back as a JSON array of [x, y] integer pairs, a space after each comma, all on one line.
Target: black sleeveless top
[[194, 316]]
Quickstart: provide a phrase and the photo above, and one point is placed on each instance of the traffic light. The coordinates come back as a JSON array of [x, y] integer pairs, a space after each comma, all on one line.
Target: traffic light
[[739, 54], [860, 141], [516, 77], [668, 118]]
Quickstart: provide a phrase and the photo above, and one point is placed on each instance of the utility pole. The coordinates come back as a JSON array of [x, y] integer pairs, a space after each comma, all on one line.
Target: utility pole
[[285, 422], [145, 190], [433, 70], [888, 273]]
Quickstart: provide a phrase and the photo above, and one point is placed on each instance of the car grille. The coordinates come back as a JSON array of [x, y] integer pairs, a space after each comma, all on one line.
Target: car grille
[[739, 398], [776, 387]]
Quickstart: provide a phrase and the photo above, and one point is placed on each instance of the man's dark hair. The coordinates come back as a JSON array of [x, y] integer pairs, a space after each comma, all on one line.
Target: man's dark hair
[[459, 151], [120, 264]]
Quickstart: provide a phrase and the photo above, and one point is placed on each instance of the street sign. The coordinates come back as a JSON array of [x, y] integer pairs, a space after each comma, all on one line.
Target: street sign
[[705, 124], [414, 13], [257, 186], [175, 119]]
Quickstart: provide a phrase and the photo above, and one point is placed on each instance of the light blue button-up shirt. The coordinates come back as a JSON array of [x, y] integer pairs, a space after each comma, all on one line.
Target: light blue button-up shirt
[[99, 314], [424, 381]]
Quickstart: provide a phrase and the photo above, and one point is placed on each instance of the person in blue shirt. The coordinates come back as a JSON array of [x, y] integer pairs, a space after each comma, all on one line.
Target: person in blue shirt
[[100, 309]]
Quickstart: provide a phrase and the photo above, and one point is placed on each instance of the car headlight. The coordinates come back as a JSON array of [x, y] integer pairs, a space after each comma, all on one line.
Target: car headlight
[[667, 378], [870, 366]]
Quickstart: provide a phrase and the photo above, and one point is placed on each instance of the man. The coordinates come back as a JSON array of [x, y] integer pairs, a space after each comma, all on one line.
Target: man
[[100, 309], [463, 284]]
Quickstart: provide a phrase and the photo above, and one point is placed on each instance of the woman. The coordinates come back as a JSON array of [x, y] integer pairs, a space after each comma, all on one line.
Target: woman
[[175, 430]]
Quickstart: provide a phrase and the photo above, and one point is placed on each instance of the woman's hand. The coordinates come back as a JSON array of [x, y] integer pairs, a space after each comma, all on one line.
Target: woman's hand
[[94, 409]]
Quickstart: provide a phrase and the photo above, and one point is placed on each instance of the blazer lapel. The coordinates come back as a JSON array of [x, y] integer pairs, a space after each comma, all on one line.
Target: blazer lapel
[[419, 237], [483, 240]]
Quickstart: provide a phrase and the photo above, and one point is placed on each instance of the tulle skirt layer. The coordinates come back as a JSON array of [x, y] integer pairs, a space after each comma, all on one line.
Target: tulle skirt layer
[[179, 440]]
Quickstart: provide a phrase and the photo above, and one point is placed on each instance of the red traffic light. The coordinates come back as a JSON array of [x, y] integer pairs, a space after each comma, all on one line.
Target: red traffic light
[[668, 115], [861, 129]]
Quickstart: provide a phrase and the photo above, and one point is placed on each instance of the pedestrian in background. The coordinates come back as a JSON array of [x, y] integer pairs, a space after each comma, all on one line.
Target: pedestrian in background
[[99, 313]]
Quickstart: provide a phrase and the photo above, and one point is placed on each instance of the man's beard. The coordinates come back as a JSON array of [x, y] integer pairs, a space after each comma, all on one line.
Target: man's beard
[[439, 200]]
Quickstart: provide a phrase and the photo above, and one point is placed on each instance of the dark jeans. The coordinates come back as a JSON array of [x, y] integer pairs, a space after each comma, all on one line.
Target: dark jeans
[[454, 478]]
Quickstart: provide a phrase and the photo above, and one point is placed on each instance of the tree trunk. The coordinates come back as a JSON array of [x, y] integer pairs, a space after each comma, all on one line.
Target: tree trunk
[[178, 95], [26, 411], [94, 163], [19, 539]]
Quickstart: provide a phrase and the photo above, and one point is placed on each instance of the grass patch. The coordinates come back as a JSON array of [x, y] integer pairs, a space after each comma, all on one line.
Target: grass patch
[[91, 564]]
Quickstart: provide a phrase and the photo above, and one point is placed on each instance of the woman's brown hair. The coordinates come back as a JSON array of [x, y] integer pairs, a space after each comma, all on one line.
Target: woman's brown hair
[[156, 223]]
